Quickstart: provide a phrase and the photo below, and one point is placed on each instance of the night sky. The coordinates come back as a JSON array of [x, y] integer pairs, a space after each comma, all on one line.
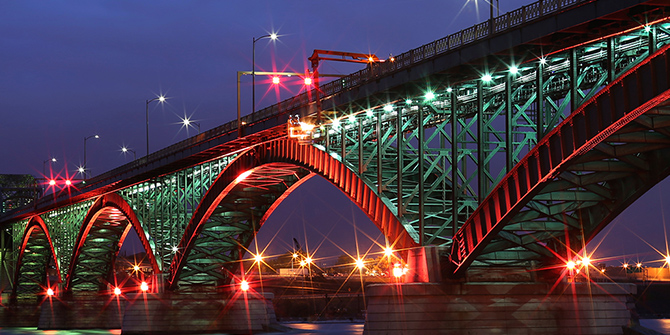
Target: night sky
[[72, 69]]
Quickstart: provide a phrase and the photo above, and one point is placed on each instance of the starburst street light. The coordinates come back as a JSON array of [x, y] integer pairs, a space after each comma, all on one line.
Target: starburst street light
[[160, 99], [187, 123], [125, 149], [273, 37]]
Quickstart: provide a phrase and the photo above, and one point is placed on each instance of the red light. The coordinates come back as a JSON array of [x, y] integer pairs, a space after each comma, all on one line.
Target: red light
[[68, 182], [144, 286], [117, 291], [52, 182], [243, 176], [275, 80], [50, 292], [244, 285], [308, 81]]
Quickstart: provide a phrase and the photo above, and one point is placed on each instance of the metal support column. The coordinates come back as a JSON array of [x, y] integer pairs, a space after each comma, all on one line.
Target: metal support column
[[401, 144], [652, 40], [422, 149], [509, 140], [455, 189], [610, 60], [574, 97], [481, 185], [380, 139], [360, 148], [539, 95]]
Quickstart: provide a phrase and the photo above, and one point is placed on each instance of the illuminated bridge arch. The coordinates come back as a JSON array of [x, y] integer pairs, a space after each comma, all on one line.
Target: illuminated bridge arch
[[591, 167], [247, 192], [37, 266], [103, 231]]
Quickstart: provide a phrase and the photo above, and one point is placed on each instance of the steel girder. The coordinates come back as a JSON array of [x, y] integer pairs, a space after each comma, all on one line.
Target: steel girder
[[579, 177], [37, 266], [246, 193], [435, 157]]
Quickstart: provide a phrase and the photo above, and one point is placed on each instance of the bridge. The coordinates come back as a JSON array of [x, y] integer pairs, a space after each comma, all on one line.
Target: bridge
[[509, 144]]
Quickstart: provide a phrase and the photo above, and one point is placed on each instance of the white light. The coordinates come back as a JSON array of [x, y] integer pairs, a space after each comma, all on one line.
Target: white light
[[408, 101], [161, 99], [175, 249], [352, 118], [360, 264], [487, 77], [570, 265], [144, 286], [430, 96], [647, 28], [543, 61], [449, 89], [513, 70], [50, 292], [117, 291], [369, 113], [388, 251], [388, 108], [336, 123], [273, 36]]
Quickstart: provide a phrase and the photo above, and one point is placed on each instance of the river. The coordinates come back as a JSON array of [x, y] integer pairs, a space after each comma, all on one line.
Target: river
[[301, 328]]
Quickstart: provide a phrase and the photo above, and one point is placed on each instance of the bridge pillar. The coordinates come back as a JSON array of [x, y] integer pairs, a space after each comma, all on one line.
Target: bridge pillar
[[197, 313], [424, 265], [82, 311], [499, 308]]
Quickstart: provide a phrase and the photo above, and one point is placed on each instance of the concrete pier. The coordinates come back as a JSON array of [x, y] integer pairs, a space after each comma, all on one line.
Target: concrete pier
[[147, 313], [499, 308]]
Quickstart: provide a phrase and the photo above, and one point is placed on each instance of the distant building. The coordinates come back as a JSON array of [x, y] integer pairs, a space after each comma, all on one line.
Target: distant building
[[17, 190]]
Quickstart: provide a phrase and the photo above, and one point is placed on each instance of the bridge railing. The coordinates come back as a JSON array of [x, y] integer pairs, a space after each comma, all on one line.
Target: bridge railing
[[405, 60], [477, 32]]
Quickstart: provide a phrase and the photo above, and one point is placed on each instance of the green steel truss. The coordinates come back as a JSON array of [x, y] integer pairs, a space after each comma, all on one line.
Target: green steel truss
[[482, 127]]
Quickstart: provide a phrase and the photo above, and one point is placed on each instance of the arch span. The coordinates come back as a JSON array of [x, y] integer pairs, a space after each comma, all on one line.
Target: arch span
[[37, 266], [597, 162], [102, 233], [247, 192]]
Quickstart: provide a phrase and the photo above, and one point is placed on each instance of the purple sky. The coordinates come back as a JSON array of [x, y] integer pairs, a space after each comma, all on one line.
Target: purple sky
[[72, 69]]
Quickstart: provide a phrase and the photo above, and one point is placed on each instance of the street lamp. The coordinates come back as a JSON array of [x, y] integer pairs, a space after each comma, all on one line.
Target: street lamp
[[187, 123], [44, 165], [125, 149], [85, 168], [160, 99], [273, 37]]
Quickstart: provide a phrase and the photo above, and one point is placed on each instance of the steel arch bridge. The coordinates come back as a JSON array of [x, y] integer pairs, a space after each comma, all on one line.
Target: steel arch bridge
[[515, 159]]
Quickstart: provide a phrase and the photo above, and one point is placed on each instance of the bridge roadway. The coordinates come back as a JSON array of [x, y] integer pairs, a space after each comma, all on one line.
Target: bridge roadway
[[416, 194]]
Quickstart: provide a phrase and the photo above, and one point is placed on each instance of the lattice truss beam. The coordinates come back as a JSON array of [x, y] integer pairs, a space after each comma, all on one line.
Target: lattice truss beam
[[411, 149], [216, 252], [167, 203]]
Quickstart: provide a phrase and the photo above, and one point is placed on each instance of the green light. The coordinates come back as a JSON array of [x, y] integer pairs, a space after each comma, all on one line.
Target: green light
[[513, 70], [430, 96], [369, 113], [487, 77], [352, 118], [336, 123]]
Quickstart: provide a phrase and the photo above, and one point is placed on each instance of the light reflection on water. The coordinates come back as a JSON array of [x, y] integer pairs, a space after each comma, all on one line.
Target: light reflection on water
[[343, 328], [659, 325]]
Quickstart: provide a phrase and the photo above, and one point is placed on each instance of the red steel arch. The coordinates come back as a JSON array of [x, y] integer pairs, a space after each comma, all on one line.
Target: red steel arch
[[108, 204], [36, 230], [600, 120], [304, 156]]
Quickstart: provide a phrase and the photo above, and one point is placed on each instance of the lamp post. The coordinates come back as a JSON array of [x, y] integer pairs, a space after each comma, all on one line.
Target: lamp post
[[85, 168], [160, 99], [44, 165], [125, 149], [187, 123], [273, 37]]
